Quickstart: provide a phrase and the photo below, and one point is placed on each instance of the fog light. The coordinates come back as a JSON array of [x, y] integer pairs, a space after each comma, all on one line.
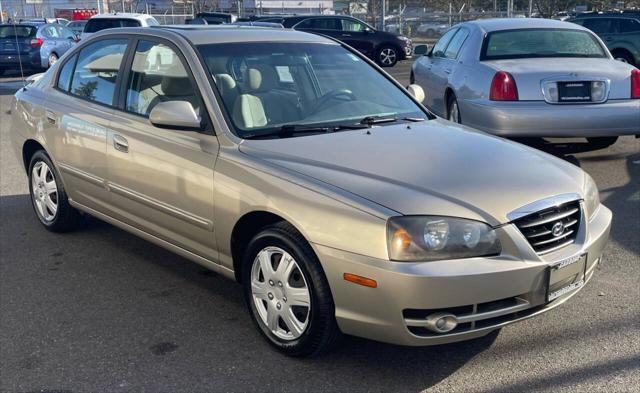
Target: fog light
[[441, 322]]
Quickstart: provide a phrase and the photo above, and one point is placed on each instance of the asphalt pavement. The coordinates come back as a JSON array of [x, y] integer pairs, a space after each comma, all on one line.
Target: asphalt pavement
[[99, 310]]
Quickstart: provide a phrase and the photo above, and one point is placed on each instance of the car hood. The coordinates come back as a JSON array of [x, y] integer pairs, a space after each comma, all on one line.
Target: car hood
[[433, 167]]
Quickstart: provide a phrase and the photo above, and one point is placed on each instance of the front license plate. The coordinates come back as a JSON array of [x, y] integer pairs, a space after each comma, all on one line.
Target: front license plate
[[566, 276], [574, 91]]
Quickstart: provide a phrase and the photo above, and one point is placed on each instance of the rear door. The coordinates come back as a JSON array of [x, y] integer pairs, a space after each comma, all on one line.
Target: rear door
[[161, 179], [78, 113]]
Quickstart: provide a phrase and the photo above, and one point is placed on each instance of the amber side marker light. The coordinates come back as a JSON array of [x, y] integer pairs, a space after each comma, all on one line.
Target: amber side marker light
[[367, 282]]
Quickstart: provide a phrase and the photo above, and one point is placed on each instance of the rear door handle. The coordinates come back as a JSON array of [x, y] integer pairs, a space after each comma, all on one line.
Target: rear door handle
[[446, 71], [346, 35], [51, 117], [120, 143]]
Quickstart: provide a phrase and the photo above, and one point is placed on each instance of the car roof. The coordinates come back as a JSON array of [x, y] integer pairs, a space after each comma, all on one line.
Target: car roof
[[220, 34], [625, 14], [489, 25], [121, 15]]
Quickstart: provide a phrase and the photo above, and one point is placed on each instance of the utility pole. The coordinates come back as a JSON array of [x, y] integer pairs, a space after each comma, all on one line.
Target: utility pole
[[1, 13], [384, 5]]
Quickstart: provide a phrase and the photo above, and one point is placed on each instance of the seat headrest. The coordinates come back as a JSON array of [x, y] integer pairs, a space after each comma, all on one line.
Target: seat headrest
[[226, 84], [260, 78], [175, 82]]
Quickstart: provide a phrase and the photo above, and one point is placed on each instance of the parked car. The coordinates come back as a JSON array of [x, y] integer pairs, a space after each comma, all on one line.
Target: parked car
[[432, 29], [101, 22], [77, 26], [211, 18], [530, 78], [289, 162], [384, 48], [619, 31], [35, 46]]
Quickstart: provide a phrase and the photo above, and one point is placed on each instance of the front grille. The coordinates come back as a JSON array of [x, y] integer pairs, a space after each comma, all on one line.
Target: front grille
[[551, 229]]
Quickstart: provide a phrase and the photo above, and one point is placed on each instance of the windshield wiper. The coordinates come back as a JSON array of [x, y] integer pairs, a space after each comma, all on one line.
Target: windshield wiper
[[289, 130], [371, 120]]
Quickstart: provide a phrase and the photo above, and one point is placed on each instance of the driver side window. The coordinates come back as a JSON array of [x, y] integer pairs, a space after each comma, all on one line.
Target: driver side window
[[441, 45]]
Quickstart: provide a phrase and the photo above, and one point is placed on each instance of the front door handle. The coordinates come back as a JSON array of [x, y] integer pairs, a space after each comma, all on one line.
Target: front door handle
[[346, 35], [51, 117], [446, 71], [120, 143]]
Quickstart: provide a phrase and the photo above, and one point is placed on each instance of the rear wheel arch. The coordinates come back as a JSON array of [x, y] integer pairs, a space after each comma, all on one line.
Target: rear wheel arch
[[29, 148], [448, 93]]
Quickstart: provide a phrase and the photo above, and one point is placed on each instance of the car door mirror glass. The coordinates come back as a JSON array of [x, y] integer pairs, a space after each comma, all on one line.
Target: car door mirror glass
[[421, 50], [416, 92], [175, 115]]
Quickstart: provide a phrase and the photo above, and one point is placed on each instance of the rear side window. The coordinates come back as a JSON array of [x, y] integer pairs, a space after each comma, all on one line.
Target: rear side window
[[64, 78], [95, 25], [629, 26], [456, 43], [439, 47], [11, 31], [97, 69], [599, 25]]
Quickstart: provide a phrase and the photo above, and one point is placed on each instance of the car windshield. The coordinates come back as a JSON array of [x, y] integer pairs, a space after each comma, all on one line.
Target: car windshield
[[533, 43], [269, 86], [95, 25], [11, 31]]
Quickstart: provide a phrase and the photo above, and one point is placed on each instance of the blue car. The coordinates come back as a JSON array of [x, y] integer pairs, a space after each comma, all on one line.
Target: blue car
[[36, 45]]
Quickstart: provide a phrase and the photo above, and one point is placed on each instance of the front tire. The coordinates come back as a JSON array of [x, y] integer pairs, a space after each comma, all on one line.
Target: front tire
[[287, 293], [387, 56], [623, 56], [48, 196]]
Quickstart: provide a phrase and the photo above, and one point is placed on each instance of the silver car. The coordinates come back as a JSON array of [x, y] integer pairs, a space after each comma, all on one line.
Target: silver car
[[294, 165], [530, 77]]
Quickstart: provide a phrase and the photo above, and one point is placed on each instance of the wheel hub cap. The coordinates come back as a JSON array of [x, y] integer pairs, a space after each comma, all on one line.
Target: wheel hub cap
[[45, 191], [280, 293]]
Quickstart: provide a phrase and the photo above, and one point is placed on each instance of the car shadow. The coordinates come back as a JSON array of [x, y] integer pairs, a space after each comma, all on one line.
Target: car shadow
[[375, 366]]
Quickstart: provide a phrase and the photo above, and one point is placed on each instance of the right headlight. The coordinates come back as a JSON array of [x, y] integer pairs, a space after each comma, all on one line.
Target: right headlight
[[430, 238], [591, 197]]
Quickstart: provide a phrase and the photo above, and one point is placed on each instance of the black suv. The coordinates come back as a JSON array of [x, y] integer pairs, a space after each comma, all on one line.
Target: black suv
[[620, 31], [384, 48]]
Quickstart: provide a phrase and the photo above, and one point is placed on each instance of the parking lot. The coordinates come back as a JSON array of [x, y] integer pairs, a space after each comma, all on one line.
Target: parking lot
[[101, 310]]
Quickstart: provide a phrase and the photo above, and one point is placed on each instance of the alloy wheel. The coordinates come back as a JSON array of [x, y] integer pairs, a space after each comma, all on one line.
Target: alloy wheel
[[454, 113], [387, 56], [52, 59], [280, 293], [44, 191]]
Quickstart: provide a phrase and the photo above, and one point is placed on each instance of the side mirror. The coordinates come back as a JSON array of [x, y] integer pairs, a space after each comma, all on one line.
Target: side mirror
[[176, 115], [421, 50], [76, 38], [416, 92]]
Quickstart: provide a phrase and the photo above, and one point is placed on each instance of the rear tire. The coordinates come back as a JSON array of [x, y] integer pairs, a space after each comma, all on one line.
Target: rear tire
[[387, 56], [453, 110], [48, 196], [314, 329], [53, 58], [624, 56], [602, 142]]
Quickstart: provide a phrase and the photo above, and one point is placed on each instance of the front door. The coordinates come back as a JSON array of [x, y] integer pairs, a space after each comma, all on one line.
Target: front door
[[161, 179], [357, 35]]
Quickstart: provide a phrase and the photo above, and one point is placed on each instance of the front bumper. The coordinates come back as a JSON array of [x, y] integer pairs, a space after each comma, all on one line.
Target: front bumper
[[538, 118], [490, 292]]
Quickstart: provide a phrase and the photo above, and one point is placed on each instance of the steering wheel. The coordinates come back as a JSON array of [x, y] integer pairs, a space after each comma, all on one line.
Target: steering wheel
[[334, 95]]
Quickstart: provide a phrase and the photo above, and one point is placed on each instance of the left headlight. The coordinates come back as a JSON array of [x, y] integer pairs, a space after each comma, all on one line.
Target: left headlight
[[430, 238], [591, 197]]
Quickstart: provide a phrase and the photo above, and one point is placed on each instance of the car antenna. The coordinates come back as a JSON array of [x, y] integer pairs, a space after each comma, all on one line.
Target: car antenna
[[15, 35]]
